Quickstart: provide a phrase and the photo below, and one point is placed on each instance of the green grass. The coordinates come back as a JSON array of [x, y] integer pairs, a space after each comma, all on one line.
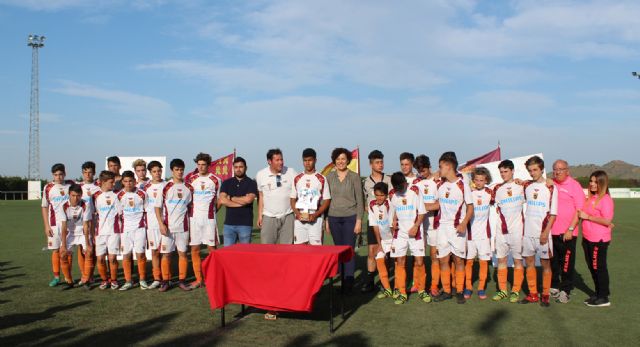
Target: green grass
[[33, 314]]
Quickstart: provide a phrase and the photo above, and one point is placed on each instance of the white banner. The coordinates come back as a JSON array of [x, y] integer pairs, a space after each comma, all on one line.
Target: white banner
[[126, 162]]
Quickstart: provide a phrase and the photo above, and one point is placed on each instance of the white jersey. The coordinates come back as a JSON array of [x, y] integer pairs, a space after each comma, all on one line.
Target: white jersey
[[154, 193], [53, 198], [88, 189], [509, 200], [310, 190], [480, 226], [140, 184], [542, 202], [75, 216], [429, 191], [206, 190], [406, 207], [379, 216], [454, 198], [107, 207], [132, 209], [176, 201]]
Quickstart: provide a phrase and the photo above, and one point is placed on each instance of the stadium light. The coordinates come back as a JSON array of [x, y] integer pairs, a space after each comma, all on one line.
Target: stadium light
[[635, 74]]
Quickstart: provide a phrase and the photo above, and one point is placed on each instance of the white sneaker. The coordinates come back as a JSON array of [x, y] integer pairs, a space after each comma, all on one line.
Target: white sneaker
[[554, 292], [126, 286], [144, 285], [104, 285], [563, 297], [154, 285], [115, 285]]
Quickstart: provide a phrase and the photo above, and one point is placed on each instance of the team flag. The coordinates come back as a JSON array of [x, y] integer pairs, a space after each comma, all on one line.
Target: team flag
[[221, 167], [354, 165], [483, 159]]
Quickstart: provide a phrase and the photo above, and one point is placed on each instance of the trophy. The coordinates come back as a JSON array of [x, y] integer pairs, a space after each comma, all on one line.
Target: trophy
[[307, 204]]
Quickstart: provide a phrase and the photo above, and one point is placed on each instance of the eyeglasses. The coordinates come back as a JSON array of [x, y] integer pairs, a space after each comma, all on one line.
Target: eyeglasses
[[560, 169], [278, 181]]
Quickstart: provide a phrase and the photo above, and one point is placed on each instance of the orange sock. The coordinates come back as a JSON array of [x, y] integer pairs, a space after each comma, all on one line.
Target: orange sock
[[102, 269], [482, 275], [142, 268], [518, 277], [546, 282], [452, 268], [532, 280], [182, 268], [445, 277], [81, 262], [400, 281], [382, 273], [468, 274], [459, 280], [419, 277], [65, 263], [113, 266], [88, 268], [502, 278], [195, 262], [55, 263], [126, 266], [166, 268]]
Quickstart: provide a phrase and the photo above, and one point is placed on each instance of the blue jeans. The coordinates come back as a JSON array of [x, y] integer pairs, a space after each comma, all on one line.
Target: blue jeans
[[343, 235], [236, 233]]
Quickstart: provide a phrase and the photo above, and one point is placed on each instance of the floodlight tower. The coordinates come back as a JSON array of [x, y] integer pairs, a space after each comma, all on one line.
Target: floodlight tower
[[635, 74], [35, 42]]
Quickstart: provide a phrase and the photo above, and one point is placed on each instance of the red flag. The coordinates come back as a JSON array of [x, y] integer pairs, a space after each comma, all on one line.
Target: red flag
[[485, 158], [221, 167], [354, 165]]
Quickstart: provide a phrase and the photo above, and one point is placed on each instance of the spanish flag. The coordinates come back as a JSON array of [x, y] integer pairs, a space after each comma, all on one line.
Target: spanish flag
[[354, 165]]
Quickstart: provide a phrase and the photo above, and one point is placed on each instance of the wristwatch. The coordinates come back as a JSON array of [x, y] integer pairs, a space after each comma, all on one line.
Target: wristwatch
[[572, 228]]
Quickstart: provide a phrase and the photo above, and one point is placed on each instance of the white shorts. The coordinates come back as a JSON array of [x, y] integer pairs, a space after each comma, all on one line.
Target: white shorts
[[308, 232], [133, 241], [386, 248], [400, 245], [531, 246], [510, 243], [107, 244], [432, 238], [54, 242], [204, 231], [153, 238], [449, 241], [77, 240], [178, 240], [479, 248]]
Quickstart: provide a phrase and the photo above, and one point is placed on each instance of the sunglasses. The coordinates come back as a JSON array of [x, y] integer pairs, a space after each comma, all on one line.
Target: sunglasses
[[278, 181]]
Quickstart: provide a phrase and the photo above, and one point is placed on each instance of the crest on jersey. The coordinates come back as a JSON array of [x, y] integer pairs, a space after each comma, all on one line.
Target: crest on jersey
[[131, 202], [201, 185], [446, 195], [535, 194], [509, 192], [380, 216], [61, 192], [179, 193], [426, 190], [108, 201], [308, 183], [479, 202], [404, 201], [155, 194], [76, 216]]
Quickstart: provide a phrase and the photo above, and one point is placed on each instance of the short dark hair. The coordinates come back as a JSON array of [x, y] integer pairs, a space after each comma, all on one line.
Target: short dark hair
[[114, 159], [375, 154], [202, 156], [58, 167], [506, 164], [89, 165], [341, 150], [152, 164], [381, 187], [481, 171], [272, 152], [450, 154], [129, 174], [309, 153], [176, 163], [107, 175], [449, 157], [422, 162], [75, 188], [398, 181], [407, 156], [535, 160], [240, 160]]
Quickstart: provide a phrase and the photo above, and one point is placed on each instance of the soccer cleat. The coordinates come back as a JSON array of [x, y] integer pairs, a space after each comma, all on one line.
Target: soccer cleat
[[482, 295], [67, 285], [195, 285], [164, 286], [544, 300], [500, 295], [144, 285], [385, 293], [563, 298], [368, 287], [54, 282], [442, 297], [514, 297], [424, 296], [154, 285], [530, 299], [467, 293], [184, 286], [396, 293], [104, 285], [460, 298], [554, 292], [114, 285], [126, 286], [401, 299], [599, 302]]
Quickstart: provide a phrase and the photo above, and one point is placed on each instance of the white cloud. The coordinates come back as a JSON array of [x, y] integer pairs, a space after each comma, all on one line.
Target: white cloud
[[513, 100]]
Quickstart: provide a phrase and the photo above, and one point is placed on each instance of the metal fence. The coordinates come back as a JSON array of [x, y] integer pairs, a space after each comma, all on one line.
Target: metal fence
[[13, 195]]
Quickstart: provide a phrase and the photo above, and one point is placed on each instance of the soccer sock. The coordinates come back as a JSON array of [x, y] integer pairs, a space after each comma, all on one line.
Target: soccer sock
[[445, 277], [102, 269], [452, 269], [531, 280], [113, 266], [400, 281], [382, 272], [502, 278], [546, 282], [518, 277], [435, 275], [459, 281], [482, 276], [55, 263], [126, 266], [468, 273], [65, 263], [419, 277], [166, 268], [142, 268], [81, 262], [196, 263], [182, 268], [88, 269]]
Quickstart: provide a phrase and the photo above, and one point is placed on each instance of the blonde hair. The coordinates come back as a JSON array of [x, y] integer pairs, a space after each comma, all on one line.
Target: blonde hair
[[139, 162], [602, 180]]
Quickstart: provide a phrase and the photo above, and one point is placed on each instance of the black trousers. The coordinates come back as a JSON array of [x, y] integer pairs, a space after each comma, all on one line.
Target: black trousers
[[595, 253], [563, 263]]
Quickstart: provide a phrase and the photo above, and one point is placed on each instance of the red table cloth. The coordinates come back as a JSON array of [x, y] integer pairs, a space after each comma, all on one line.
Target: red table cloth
[[271, 277]]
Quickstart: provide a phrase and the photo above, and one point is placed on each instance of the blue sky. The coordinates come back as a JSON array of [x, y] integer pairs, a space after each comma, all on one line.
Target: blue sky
[[178, 77]]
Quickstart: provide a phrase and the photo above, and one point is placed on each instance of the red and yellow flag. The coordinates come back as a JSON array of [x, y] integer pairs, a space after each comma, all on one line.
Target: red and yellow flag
[[354, 165], [221, 167]]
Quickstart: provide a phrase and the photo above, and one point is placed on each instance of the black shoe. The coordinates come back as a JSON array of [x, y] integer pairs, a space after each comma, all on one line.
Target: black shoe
[[368, 287], [590, 299], [67, 286], [460, 298], [442, 297], [599, 302]]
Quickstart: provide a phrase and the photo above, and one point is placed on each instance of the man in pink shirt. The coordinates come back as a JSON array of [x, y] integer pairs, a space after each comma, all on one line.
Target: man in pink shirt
[[564, 231]]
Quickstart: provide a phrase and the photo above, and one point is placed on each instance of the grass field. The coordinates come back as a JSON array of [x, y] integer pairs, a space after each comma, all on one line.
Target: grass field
[[33, 314]]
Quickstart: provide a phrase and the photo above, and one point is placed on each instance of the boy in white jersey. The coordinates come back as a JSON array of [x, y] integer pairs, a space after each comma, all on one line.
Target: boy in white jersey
[[133, 203], [89, 187], [456, 210], [509, 200], [54, 195], [310, 199], [542, 208], [407, 213], [172, 212], [140, 168], [154, 188], [108, 229], [76, 223], [378, 212], [479, 233], [406, 167], [204, 225]]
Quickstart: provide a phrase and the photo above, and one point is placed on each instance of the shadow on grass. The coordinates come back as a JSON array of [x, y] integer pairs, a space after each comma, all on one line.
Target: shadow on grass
[[7, 288], [490, 324], [17, 319], [352, 339]]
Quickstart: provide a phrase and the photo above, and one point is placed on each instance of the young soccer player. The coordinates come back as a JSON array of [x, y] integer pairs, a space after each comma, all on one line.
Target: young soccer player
[[456, 210], [310, 199], [89, 187], [542, 208], [479, 235], [140, 168], [113, 165], [204, 226], [76, 224], [154, 189], [108, 229], [407, 214], [509, 200], [133, 203], [429, 191], [54, 196], [406, 167], [379, 210], [172, 212]]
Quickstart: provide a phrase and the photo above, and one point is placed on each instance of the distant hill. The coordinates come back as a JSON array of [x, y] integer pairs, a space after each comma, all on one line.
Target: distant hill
[[615, 169]]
